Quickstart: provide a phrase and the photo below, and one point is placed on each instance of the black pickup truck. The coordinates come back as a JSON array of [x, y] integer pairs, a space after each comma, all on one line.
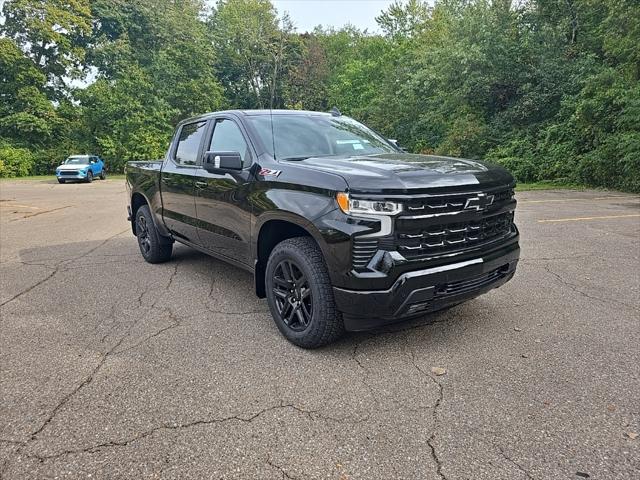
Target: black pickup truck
[[341, 229]]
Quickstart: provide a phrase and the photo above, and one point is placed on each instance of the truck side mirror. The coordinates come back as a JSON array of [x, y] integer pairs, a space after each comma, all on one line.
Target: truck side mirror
[[395, 143], [222, 161]]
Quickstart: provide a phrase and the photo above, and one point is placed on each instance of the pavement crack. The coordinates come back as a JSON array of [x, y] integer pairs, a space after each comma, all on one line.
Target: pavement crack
[[166, 288], [578, 290], [41, 213], [434, 412], [79, 387], [175, 322], [354, 356], [513, 462], [12, 442], [172, 427], [88, 379], [57, 268], [285, 474], [173, 274], [91, 250], [27, 290], [364, 378]]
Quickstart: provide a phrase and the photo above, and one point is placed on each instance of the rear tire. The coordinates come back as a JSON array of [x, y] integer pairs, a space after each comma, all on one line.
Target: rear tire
[[103, 175], [300, 294], [154, 247], [89, 176]]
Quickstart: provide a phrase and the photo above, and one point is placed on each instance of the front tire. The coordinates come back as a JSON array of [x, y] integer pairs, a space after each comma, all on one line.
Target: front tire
[[300, 294], [89, 176], [60, 180], [154, 247]]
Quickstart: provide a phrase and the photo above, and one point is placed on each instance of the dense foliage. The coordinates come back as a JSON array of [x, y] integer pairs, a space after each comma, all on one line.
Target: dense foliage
[[549, 88]]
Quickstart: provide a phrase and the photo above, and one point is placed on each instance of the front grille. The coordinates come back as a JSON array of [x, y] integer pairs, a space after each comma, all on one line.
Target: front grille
[[363, 250], [441, 225], [69, 172], [474, 283], [444, 238], [454, 202]]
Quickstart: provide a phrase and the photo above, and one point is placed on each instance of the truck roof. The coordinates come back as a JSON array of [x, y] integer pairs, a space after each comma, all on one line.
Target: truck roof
[[265, 111]]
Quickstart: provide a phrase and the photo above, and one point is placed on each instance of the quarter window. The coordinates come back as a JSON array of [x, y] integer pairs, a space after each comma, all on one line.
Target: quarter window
[[188, 143], [227, 137]]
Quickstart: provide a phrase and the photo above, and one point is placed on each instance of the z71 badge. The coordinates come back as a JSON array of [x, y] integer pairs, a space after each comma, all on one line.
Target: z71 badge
[[267, 172]]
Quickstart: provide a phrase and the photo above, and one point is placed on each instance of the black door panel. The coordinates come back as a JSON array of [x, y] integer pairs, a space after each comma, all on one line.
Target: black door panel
[[224, 215], [177, 182], [178, 202]]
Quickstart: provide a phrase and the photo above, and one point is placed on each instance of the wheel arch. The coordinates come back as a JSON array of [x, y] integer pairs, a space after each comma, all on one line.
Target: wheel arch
[[272, 230], [138, 199]]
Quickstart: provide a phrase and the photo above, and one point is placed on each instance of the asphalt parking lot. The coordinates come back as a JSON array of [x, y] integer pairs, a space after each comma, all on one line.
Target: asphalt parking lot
[[114, 368]]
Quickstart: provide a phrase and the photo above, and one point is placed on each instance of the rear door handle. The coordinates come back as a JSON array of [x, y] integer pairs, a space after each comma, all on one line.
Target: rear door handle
[[200, 184]]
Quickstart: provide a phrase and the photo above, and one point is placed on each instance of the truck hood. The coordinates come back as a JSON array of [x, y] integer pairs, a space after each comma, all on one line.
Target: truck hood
[[405, 172]]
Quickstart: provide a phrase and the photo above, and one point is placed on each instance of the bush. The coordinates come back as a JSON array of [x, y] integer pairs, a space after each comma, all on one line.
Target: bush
[[614, 164], [15, 162], [517, 156]]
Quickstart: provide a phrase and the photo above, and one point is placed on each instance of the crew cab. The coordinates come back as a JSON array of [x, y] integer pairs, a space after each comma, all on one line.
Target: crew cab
[[341, 229], [82, 168]]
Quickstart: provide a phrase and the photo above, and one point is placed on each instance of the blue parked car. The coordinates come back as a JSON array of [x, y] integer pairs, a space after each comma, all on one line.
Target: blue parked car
[[81, 167]]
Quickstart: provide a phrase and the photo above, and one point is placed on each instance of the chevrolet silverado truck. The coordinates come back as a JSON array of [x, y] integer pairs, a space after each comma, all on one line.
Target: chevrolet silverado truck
[[341, 229]]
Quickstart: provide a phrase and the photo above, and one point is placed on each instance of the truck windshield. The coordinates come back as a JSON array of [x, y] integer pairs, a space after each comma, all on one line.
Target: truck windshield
[[299, 136]]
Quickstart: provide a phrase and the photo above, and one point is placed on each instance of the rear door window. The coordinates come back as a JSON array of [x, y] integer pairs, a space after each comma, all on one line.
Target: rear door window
[[189, 143]]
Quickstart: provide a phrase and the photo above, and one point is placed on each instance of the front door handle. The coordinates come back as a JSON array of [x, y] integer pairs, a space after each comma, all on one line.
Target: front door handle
[[200, 184]]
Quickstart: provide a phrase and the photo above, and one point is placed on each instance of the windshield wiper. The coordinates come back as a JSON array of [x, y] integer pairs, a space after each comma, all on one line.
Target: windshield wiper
[[294, 159]]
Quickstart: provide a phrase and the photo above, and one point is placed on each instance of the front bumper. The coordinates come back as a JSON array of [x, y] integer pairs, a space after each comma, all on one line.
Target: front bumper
[[78, 176], [421, 291]]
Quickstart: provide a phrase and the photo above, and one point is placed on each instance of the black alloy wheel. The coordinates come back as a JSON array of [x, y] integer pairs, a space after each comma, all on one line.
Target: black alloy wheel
[[142, 231], [292, 294], [300, 294], [154, 247]]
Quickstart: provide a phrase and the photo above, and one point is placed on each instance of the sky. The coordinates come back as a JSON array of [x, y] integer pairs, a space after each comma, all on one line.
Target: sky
[[306, 14]]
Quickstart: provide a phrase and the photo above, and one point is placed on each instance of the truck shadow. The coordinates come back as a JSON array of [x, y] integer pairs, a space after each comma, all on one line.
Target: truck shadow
[[116, 267]]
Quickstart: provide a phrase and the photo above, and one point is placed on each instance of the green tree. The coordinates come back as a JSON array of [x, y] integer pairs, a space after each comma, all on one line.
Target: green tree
[[52, 33], [404, 20], [253, 49], [549, 88], [308, 76], [155, 66]]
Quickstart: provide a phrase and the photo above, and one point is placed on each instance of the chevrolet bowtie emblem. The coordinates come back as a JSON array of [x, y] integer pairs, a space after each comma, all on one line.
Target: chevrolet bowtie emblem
[[479, 202]]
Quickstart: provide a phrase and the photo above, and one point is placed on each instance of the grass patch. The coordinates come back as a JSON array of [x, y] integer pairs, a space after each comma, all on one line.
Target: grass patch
[[31, 178], [525, 187]]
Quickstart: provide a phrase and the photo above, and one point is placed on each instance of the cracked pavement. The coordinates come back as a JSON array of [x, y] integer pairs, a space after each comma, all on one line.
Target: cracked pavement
[[114, 368]]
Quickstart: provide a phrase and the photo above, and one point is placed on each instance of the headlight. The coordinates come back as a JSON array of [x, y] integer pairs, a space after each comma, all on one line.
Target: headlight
[[376, 207]]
